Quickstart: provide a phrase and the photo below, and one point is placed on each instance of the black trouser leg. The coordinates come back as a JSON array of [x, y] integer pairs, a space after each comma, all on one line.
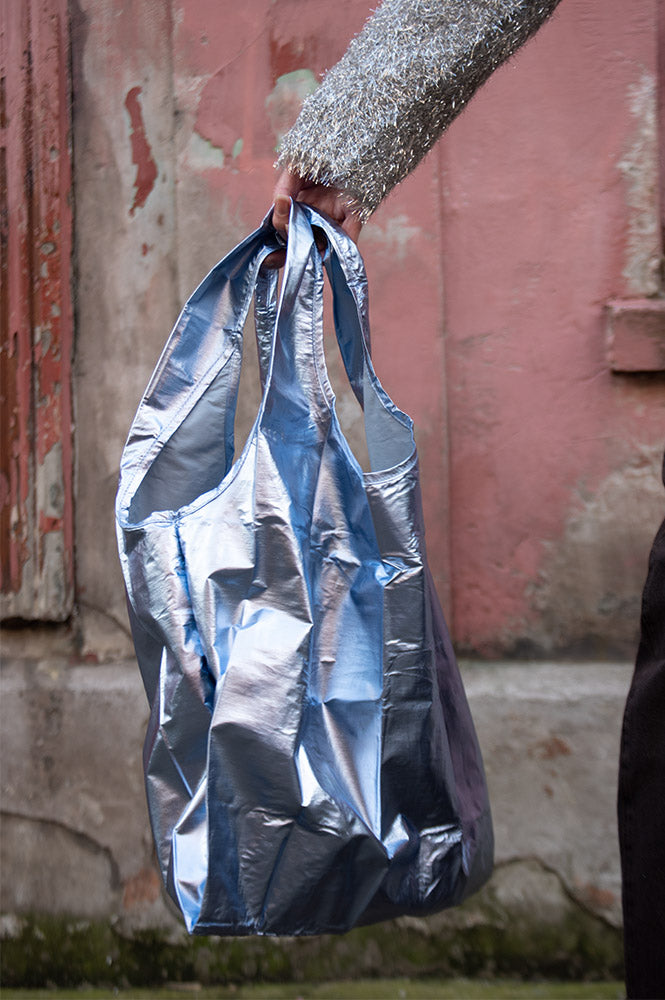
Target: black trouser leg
[[641, 804]]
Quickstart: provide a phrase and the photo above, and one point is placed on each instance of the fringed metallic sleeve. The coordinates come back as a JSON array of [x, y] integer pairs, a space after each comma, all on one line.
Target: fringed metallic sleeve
[[401, 82]]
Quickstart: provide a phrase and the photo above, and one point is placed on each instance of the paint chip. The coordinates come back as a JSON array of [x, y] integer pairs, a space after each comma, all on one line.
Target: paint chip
[[202, 154], [146, 168]]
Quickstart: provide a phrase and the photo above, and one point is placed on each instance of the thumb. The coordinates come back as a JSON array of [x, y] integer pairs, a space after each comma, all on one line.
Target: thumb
[[280, 215]]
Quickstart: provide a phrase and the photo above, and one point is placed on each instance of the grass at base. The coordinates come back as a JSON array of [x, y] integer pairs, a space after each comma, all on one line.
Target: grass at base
[[360, 989]]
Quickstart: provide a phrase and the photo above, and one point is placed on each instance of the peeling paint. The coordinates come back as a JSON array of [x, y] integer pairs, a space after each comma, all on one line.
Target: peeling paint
[[395, 237], [146, 168], [285, 99], [50, 488], [595, 898], [202, 154], [35, 538], [144, 887], [639, 167], [590, 585], [551, 748]]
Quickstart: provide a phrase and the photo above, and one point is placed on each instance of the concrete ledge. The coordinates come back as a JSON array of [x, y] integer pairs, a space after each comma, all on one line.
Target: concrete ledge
[[550, 735], [76, 844]]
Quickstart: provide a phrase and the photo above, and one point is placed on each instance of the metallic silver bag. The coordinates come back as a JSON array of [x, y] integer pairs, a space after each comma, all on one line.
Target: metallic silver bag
[[311, 763]]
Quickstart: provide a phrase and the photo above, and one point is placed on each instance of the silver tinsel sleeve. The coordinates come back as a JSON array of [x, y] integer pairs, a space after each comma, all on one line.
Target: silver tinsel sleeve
[[401, 82]]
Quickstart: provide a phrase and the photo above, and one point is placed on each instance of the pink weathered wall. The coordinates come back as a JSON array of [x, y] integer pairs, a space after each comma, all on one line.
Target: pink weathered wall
[[490, 271], [550, 210]]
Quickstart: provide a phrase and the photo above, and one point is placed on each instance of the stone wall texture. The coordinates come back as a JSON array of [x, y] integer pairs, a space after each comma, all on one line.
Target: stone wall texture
[[75, 816]]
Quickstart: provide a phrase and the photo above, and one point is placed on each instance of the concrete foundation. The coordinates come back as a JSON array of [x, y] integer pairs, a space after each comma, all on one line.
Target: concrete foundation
[[73, 810]]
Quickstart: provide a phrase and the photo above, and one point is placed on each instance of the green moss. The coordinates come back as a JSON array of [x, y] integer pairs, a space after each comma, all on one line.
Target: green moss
[[477, 940], [359, 989]]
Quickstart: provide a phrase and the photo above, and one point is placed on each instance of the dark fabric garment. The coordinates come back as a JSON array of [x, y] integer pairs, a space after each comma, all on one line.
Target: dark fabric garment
[[641, 804]]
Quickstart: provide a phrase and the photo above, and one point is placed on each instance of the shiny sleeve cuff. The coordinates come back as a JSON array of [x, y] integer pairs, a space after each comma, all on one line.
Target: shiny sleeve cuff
[[401, 82]]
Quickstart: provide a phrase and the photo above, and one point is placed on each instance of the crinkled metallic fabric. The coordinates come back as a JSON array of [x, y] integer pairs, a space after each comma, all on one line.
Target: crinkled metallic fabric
[[310, 760], [402, 81]]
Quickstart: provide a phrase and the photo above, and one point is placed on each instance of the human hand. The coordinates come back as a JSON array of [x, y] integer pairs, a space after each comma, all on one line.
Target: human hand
[[332, 201]]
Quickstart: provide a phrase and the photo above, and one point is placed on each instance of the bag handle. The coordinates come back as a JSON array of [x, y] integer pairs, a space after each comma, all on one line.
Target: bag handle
[[265, 316], [389, 431], [345, 303], [297, 365]]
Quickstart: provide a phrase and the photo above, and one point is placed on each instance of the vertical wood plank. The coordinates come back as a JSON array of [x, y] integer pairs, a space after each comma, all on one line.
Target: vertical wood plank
[[36, 313]]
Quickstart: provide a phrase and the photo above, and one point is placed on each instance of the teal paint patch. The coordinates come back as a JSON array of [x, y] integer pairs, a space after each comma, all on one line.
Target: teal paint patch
[[203, 155], [285, 100], [237, 148], [302, 80]]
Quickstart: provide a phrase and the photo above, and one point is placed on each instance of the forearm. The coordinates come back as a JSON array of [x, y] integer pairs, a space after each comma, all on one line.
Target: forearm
[[408, 74]]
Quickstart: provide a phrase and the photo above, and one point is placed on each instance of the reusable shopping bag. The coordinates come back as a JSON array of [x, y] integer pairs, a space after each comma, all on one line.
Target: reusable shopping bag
[[310, 760]]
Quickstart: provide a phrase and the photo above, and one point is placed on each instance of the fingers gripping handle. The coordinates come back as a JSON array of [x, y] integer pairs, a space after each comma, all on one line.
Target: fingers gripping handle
[[348, 282]]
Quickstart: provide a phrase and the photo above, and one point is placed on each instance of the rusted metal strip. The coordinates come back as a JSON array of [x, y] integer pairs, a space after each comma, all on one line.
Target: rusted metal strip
[[36, 555]]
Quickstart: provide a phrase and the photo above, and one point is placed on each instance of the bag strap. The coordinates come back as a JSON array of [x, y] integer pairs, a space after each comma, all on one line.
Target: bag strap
[[265, 316], [344, 303], [297, 372], [389, 431]]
